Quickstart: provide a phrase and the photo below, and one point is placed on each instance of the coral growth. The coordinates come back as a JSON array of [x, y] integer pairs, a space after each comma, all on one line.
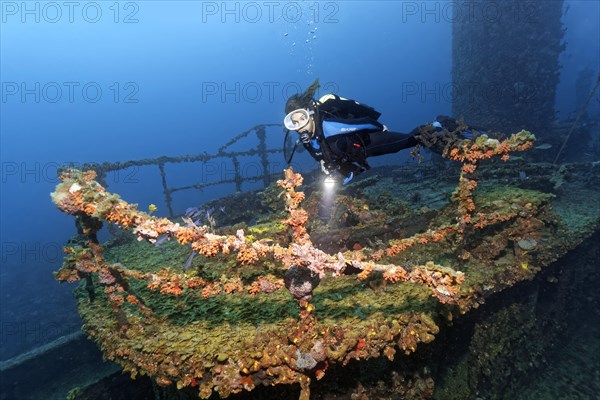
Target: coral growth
[[228, 327], [470, 154]]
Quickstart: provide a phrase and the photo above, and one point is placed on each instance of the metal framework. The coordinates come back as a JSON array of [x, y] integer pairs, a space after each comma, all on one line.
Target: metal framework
[[261, 150]]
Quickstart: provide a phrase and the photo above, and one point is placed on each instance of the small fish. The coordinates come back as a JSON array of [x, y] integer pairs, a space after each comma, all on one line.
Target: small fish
[[209, 212], [523, 176], [188, 262], [188, 222], [161, 240], [266, 242], [192, 212], [151, 208], [544, 146]]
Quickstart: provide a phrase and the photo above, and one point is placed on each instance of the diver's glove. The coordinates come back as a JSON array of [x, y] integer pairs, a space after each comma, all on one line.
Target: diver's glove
[[334, 172], [348, 171], [348, 178], [337, 178], [444, 134], [324, 168]]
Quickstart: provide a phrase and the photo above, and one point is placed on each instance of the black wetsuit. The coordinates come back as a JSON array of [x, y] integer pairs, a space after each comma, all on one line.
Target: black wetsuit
[[345, 144]]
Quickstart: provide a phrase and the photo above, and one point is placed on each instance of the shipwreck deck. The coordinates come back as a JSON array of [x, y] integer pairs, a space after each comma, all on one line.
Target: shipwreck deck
[[223, 335]]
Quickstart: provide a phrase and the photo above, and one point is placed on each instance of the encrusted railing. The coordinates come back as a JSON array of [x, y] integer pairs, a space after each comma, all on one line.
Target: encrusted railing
[[260, 150], [280, 355]]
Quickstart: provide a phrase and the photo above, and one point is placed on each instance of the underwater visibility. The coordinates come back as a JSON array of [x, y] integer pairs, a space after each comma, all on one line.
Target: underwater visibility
[[325, 249]]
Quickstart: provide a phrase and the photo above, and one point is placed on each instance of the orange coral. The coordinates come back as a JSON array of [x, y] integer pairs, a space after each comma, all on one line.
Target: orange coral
[[185, 235], [81, 186], [115, 299], [89, 208], [265, 284], [210, 290], [291, 180], [468, 168], [131, 299], [377, 255], [206, 247], [398, 246], [297, 217], [444, 282], [121, 214], [395, 275], [295, 198], [365, 273], [89, 175], [232, 285], [247, 255], [276, 361], [195, 282], [171, 288]]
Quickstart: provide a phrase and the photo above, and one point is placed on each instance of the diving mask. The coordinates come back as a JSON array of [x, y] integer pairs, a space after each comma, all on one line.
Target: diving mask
[[297, 119]]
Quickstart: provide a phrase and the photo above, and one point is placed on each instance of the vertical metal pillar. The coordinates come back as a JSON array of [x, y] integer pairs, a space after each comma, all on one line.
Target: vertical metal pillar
[[505, 63]]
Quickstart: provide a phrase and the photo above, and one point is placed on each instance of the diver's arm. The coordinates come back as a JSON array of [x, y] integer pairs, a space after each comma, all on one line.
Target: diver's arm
[[314, 152], [336, 126]]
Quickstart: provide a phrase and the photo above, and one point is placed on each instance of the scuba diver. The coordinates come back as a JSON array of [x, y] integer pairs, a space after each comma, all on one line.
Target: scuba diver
[[342, 133]]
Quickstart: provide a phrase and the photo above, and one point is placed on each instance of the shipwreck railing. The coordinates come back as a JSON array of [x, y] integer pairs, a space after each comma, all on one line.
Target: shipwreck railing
[[295, 349], [261, 150]]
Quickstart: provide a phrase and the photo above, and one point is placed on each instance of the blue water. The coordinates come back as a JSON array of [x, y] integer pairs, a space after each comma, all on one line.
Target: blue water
[[116, 81]]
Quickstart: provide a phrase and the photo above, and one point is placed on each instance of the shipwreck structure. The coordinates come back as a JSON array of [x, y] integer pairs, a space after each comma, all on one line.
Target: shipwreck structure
[[310, 288], [505, 64]]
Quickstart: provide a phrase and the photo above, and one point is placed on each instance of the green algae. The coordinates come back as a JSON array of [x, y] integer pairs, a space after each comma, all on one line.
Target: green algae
[[210, 332], [338, 298]]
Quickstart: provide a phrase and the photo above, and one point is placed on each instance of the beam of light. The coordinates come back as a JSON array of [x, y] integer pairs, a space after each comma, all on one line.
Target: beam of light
[[330, 185]]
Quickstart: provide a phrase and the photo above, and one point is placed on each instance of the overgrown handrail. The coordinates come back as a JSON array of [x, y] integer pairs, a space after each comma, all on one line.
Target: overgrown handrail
[[261, 150], [303, 347]]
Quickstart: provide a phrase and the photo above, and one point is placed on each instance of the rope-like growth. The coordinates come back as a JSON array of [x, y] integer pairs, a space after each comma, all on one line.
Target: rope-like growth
[[80, 194], [300, 347]]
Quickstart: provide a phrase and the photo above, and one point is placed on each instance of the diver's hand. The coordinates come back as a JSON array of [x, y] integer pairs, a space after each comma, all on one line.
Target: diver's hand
[[348, 178], [324, 168], [334, 173]]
